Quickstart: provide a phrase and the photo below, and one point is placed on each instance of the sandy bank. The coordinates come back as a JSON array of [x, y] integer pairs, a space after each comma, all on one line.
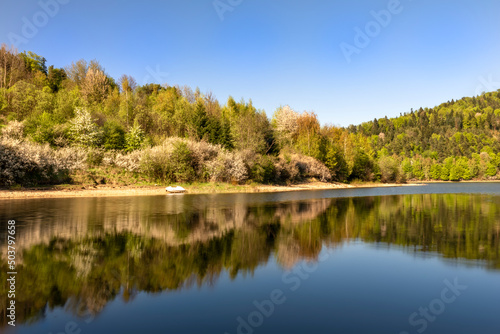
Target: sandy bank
[[99, 191]]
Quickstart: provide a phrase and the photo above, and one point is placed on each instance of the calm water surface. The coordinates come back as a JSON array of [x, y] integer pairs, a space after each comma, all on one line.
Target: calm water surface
[[381, 260]]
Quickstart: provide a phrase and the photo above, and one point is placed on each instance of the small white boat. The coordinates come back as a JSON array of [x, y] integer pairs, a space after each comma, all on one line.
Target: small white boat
[[174, 190]]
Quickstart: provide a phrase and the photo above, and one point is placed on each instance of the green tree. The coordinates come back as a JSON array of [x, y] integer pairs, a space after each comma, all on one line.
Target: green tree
[[491, 170], [55, 78], [363, 167], [23, 97], [336, 163], [308, 138], [135, 137], [388, 169], [435, 172], [114, 136], [34, 62]]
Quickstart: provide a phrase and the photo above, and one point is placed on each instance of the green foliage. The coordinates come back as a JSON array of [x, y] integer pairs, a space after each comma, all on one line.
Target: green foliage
[[23, 99], [335, 161], [491, 170], [435, 172], [388, 169], [134, 139], [182, 162], [95, 157], [34, 62], [55, 78], [308, 139], [42, 128], [407, 168], [170, 165], [446, 170], [363, 168], [114, 136], [263, 170], [418, 169]]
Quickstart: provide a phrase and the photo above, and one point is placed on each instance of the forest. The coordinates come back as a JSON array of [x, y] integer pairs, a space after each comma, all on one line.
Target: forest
[[79, 125]]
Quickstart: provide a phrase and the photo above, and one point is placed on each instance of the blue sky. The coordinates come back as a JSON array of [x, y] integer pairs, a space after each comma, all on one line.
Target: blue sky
[[278, 52]]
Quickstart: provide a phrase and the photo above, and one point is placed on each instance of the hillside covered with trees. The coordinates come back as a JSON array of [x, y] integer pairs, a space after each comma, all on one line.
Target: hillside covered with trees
[[75, 124]]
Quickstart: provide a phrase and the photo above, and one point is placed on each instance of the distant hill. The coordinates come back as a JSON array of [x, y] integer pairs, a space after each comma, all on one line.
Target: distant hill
[[457, 128]]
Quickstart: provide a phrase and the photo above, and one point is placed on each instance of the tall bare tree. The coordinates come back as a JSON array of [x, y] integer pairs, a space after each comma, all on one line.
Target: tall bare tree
[[12, 67], [95, 86], [77, 72]]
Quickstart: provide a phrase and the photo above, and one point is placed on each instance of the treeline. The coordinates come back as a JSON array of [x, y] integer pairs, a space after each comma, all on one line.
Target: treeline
[[82, 107], [457, 140]]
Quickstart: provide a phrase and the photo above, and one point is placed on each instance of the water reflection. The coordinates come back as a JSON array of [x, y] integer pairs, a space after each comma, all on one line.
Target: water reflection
[[82, 253]]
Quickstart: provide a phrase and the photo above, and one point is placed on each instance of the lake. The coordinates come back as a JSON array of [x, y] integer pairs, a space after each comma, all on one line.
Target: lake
[[410, 259]]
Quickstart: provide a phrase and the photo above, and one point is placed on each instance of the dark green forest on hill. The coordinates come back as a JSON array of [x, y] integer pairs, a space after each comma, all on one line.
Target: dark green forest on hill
[[77, 124]]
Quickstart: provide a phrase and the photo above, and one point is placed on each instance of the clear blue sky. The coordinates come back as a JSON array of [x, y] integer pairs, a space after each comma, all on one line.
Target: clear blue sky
[[278, 52]]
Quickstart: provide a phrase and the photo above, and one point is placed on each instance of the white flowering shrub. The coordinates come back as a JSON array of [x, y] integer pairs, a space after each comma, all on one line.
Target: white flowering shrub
[[13, 130], [294, 167], [179, 159], [203, 151], [83, 130], [130, 162], [227, 167], [310, 167], [27, 163]]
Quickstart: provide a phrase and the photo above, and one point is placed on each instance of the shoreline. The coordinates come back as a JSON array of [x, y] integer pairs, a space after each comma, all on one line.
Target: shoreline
[[215, 188], [205, 188]]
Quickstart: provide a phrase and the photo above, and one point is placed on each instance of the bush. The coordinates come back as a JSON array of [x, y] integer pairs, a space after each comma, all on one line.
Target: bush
[[182, 163], [130, 162], [114, 136], [155, 164], [285, 170], [294, 167], [95, 156], [311, 167], [263, 170], [170, 162], [182, 160], [203, 152], [227, 167], [26, 163], [13, 130], [446, 169], [435, 171], [41, 128], [335, 161]]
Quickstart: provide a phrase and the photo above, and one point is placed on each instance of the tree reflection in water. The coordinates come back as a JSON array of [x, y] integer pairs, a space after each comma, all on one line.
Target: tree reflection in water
[[86, 255]]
